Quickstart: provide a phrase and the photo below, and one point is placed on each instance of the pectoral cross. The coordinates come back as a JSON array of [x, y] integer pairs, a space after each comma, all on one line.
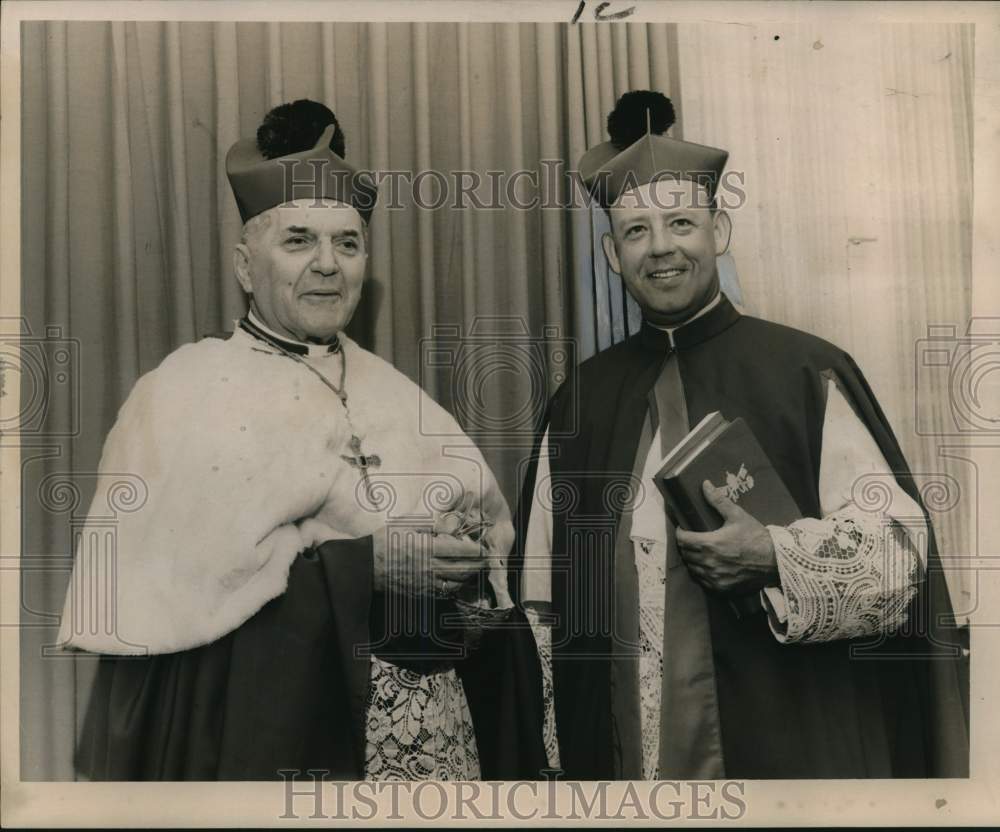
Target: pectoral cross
[[362, 463]]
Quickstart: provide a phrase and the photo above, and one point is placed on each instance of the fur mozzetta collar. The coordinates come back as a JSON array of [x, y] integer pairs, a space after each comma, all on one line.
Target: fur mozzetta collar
[[236, 453]]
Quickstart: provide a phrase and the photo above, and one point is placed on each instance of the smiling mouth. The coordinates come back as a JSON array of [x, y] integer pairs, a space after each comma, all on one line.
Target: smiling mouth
[[667, 274]]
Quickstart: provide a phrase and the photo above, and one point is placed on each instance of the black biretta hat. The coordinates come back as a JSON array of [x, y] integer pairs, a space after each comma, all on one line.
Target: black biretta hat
[[260, 183], [638, 152]]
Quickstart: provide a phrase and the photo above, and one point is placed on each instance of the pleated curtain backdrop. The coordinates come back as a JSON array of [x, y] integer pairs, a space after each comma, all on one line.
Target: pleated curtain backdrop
[[855, 228]]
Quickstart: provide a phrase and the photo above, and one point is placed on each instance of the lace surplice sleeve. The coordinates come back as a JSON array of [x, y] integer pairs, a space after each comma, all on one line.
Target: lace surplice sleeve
[[854, 572]]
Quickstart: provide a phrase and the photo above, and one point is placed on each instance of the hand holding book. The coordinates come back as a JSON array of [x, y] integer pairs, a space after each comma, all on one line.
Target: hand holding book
[[736, 558], [721, 490]]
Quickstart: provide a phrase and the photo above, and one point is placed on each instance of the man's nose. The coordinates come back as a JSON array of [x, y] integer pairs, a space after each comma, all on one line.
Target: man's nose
[[325, 261], [662, 242]]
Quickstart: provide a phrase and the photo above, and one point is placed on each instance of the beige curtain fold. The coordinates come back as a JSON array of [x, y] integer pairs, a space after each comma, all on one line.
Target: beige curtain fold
[[129, 224]]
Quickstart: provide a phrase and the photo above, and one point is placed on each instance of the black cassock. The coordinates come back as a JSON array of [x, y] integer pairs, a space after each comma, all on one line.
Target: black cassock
[[898, 709], [288, 688]]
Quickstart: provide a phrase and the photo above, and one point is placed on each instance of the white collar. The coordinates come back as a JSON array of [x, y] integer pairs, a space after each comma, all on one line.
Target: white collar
[[706, 308], [313, 350]]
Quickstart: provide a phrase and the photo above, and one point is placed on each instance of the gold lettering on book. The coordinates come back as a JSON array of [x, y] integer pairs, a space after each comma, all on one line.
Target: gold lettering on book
[[739, 483]]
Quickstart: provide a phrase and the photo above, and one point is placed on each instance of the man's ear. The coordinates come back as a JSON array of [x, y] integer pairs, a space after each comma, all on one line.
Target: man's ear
[[723, 229], [608, 242], [241, 266]]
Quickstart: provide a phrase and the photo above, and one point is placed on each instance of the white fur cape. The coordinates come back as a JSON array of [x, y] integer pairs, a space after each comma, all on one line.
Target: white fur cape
[[239, 449]]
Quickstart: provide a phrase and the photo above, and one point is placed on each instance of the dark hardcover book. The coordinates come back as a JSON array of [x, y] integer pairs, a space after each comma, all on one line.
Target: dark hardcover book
[[728, 455]]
